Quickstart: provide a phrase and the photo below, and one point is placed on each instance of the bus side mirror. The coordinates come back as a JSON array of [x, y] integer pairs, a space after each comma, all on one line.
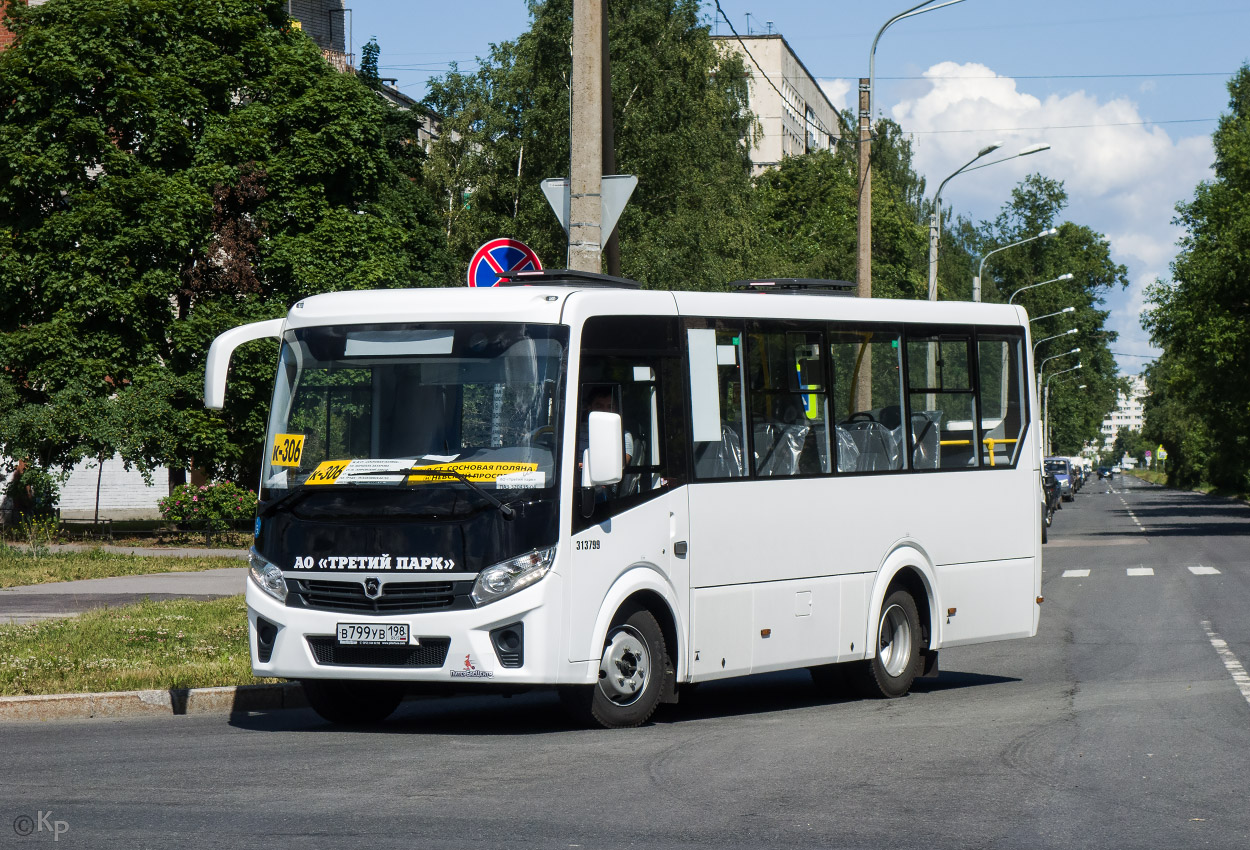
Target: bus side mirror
[[219, 357], [605, 459]]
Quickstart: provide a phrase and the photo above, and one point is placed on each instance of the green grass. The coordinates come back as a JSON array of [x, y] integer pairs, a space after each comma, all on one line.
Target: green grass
[[1151, 475], [178, 643], [19, 567]]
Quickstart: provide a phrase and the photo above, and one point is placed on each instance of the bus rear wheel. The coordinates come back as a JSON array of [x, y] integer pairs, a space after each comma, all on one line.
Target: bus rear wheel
[[353, 702], [896, 661]]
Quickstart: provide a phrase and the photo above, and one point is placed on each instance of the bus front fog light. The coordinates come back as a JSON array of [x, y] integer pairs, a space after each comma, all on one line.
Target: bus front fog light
[[267, 576], [503, 579]]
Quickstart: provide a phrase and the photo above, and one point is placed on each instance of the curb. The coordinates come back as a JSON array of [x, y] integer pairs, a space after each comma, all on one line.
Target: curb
[[155, 703]]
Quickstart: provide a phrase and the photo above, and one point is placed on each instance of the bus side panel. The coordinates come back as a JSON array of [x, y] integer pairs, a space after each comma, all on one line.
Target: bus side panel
[[992, 600], [721, 625]]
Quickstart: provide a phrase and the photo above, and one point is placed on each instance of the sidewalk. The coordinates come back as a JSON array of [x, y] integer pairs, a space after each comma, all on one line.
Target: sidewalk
[[35, 602]]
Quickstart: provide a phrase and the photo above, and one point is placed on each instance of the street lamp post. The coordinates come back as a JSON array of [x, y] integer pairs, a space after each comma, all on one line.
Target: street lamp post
[[1052, 315], [976, 281], [1046, 405], [1067, 276], [865, 137], [1068, 332], [863, 275], [935, 217]]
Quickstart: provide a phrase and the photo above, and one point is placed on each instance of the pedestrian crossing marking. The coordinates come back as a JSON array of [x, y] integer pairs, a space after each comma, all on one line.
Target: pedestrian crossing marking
[[1076, 573], [1204, 571], [1140, 571]]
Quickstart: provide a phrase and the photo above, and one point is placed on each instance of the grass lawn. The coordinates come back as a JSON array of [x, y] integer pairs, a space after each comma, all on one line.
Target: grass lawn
[[178, 643], [18, 567]]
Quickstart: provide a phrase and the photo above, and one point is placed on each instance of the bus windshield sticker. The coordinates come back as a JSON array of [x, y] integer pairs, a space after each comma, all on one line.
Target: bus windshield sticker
[[327, 472], [519, 480], [287, 449], [478, 472]]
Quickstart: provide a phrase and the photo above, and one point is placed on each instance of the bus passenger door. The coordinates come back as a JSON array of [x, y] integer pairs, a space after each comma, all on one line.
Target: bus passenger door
[[630, 366]]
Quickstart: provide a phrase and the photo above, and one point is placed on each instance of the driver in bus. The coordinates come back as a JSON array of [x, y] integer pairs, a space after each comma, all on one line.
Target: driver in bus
[[599, 398]]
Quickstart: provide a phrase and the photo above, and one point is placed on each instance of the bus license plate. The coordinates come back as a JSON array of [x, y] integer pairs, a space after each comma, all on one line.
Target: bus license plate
[[355, 634]]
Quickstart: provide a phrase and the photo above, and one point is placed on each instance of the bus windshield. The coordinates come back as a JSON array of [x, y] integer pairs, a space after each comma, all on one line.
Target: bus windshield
[[406, 405]]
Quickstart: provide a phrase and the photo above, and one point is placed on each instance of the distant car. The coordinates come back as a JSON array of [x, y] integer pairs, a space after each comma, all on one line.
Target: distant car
[[1061, 468], [1104, 472], [1115, 470]]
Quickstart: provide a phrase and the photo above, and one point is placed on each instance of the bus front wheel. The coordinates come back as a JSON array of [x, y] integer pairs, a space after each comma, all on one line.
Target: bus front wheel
[[631, 674], [353, 702], [896, 660]]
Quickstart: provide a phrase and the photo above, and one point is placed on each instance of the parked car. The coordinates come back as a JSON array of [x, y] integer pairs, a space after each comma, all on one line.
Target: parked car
[[1061, 468], [1050, 501]]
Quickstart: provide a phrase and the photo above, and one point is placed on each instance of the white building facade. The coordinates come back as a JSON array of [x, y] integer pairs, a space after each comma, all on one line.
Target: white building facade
[[795, 115], [1129, 412]]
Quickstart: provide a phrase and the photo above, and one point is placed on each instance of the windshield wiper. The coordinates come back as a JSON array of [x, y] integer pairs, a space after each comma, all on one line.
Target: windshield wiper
[[504, 509]]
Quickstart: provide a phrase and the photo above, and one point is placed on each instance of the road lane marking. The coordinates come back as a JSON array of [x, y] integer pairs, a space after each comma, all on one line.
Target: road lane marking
[[1204, 571], [1240, 678], [1076, 573], [1141, 571]]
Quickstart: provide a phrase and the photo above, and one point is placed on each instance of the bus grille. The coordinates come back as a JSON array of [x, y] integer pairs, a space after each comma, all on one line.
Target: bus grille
[[398, 597], [431, 653]]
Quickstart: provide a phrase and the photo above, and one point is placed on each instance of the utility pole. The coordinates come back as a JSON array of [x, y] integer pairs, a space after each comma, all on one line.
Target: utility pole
[[587, 131], [863, 387], [612, 250]]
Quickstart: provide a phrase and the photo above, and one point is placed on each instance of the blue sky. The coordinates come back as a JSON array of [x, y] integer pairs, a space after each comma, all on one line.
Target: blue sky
[[1126, 93]]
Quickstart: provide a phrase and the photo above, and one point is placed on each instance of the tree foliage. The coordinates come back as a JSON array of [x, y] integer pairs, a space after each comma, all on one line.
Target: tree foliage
[[1200, 388], [169, 170]]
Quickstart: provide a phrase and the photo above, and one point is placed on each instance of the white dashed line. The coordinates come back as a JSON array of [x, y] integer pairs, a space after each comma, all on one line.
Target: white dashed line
[[1140, 571], [1204, 571], [1076, 573], [1240, 678]]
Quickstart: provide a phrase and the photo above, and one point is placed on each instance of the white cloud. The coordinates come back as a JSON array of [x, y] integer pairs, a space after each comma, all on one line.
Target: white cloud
[[838, 92], [1123, 176]]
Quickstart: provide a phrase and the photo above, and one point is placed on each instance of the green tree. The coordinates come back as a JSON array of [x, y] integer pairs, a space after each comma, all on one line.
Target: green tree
[[680, 119], [368, 71], [1076, 414], [206, 169], [1201, 318]]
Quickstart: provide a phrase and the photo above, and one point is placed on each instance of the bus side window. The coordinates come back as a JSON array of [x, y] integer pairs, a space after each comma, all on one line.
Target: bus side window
[[717, 404], [867, 398], [1002, 383], [942, 401], [788, 401]]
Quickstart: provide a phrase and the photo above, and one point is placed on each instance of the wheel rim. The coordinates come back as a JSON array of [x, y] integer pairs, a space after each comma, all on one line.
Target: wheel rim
[[625, 666], [894, 643]]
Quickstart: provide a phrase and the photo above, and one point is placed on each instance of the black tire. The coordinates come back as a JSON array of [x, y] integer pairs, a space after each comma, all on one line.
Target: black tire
[[352, 702], [896, 660], [632, 673]]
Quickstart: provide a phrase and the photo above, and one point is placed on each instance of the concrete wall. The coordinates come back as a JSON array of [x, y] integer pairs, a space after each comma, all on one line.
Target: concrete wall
[[123, 495]]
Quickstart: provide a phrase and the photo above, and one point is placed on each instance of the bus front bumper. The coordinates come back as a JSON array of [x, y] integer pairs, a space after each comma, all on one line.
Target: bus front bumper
[[453, 647]]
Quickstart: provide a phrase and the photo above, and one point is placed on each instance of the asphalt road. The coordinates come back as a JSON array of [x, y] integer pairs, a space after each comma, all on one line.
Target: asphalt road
[[1120, 725]]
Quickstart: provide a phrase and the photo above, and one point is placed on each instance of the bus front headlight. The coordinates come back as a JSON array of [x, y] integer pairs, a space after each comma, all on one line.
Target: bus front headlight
[[266, 575], [508, 577]]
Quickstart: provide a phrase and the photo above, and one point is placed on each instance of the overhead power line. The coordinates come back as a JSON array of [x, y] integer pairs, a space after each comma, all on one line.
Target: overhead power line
[[1058, 127], [814, 118], [1052, 76]]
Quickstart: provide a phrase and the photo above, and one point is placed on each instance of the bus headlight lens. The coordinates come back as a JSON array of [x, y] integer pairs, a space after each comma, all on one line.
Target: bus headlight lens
[[510, 576], [267, 576]]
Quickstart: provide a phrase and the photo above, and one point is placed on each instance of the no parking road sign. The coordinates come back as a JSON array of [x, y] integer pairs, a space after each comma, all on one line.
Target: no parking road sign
[[498, 256]]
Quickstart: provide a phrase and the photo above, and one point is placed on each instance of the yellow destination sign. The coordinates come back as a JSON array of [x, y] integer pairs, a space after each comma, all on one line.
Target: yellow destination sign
[[476, 472], [287, 449], [327, 472]]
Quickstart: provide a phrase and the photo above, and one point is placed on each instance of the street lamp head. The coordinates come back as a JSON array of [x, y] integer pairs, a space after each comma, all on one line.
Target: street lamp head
[[1067, 276], [1070, 331], [1051, 232], [1038, 148], [1068, 310], [990, 148], [1076, 351], [1082, 386]]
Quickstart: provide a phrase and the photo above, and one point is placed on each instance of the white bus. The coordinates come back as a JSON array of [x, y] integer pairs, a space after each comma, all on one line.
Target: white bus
[[583, 484]]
